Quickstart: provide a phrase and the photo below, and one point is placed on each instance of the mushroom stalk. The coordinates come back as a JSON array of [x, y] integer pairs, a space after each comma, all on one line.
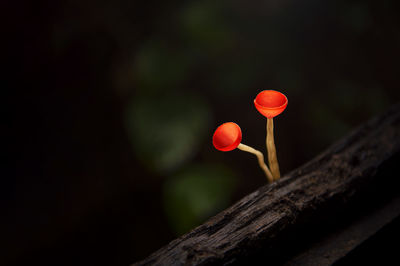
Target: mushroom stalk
[[272, 159], [260, 158]]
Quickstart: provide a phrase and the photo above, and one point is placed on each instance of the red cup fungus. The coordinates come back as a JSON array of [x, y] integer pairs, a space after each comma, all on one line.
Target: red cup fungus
[[227, 136], [270, 103]]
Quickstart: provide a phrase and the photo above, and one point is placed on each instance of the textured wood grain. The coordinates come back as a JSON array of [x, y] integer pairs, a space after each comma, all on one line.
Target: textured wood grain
[[263, 218], [339, 244]]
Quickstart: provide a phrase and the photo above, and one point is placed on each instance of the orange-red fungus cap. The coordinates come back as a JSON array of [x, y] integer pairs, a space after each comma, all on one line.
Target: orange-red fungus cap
[[270, 103], [227, 136]]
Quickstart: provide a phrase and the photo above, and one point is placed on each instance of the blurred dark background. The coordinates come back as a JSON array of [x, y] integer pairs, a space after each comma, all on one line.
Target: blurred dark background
[[108, 153]]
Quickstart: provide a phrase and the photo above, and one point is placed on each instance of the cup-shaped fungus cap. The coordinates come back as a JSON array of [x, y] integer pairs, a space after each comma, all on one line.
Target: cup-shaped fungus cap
[[270, 103], [227, 136]]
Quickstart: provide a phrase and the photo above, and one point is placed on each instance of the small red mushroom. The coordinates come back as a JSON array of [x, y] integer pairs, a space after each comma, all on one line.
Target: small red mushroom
[[271, 103], [228, 137]]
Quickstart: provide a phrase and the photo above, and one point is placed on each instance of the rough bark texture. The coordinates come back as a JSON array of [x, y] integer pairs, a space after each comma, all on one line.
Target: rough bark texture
[[359, 234], [278, 218]]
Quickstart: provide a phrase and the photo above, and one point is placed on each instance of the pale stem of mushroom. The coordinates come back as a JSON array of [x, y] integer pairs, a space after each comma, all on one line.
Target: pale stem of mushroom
[[272, 159], [260, 158]]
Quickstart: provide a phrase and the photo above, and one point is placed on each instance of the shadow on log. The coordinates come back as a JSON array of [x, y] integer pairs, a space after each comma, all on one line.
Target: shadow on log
[[311, 215]]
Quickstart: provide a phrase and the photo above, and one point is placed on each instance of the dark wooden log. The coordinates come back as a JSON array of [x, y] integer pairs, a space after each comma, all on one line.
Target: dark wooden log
[[337, 245], [282, 219]]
